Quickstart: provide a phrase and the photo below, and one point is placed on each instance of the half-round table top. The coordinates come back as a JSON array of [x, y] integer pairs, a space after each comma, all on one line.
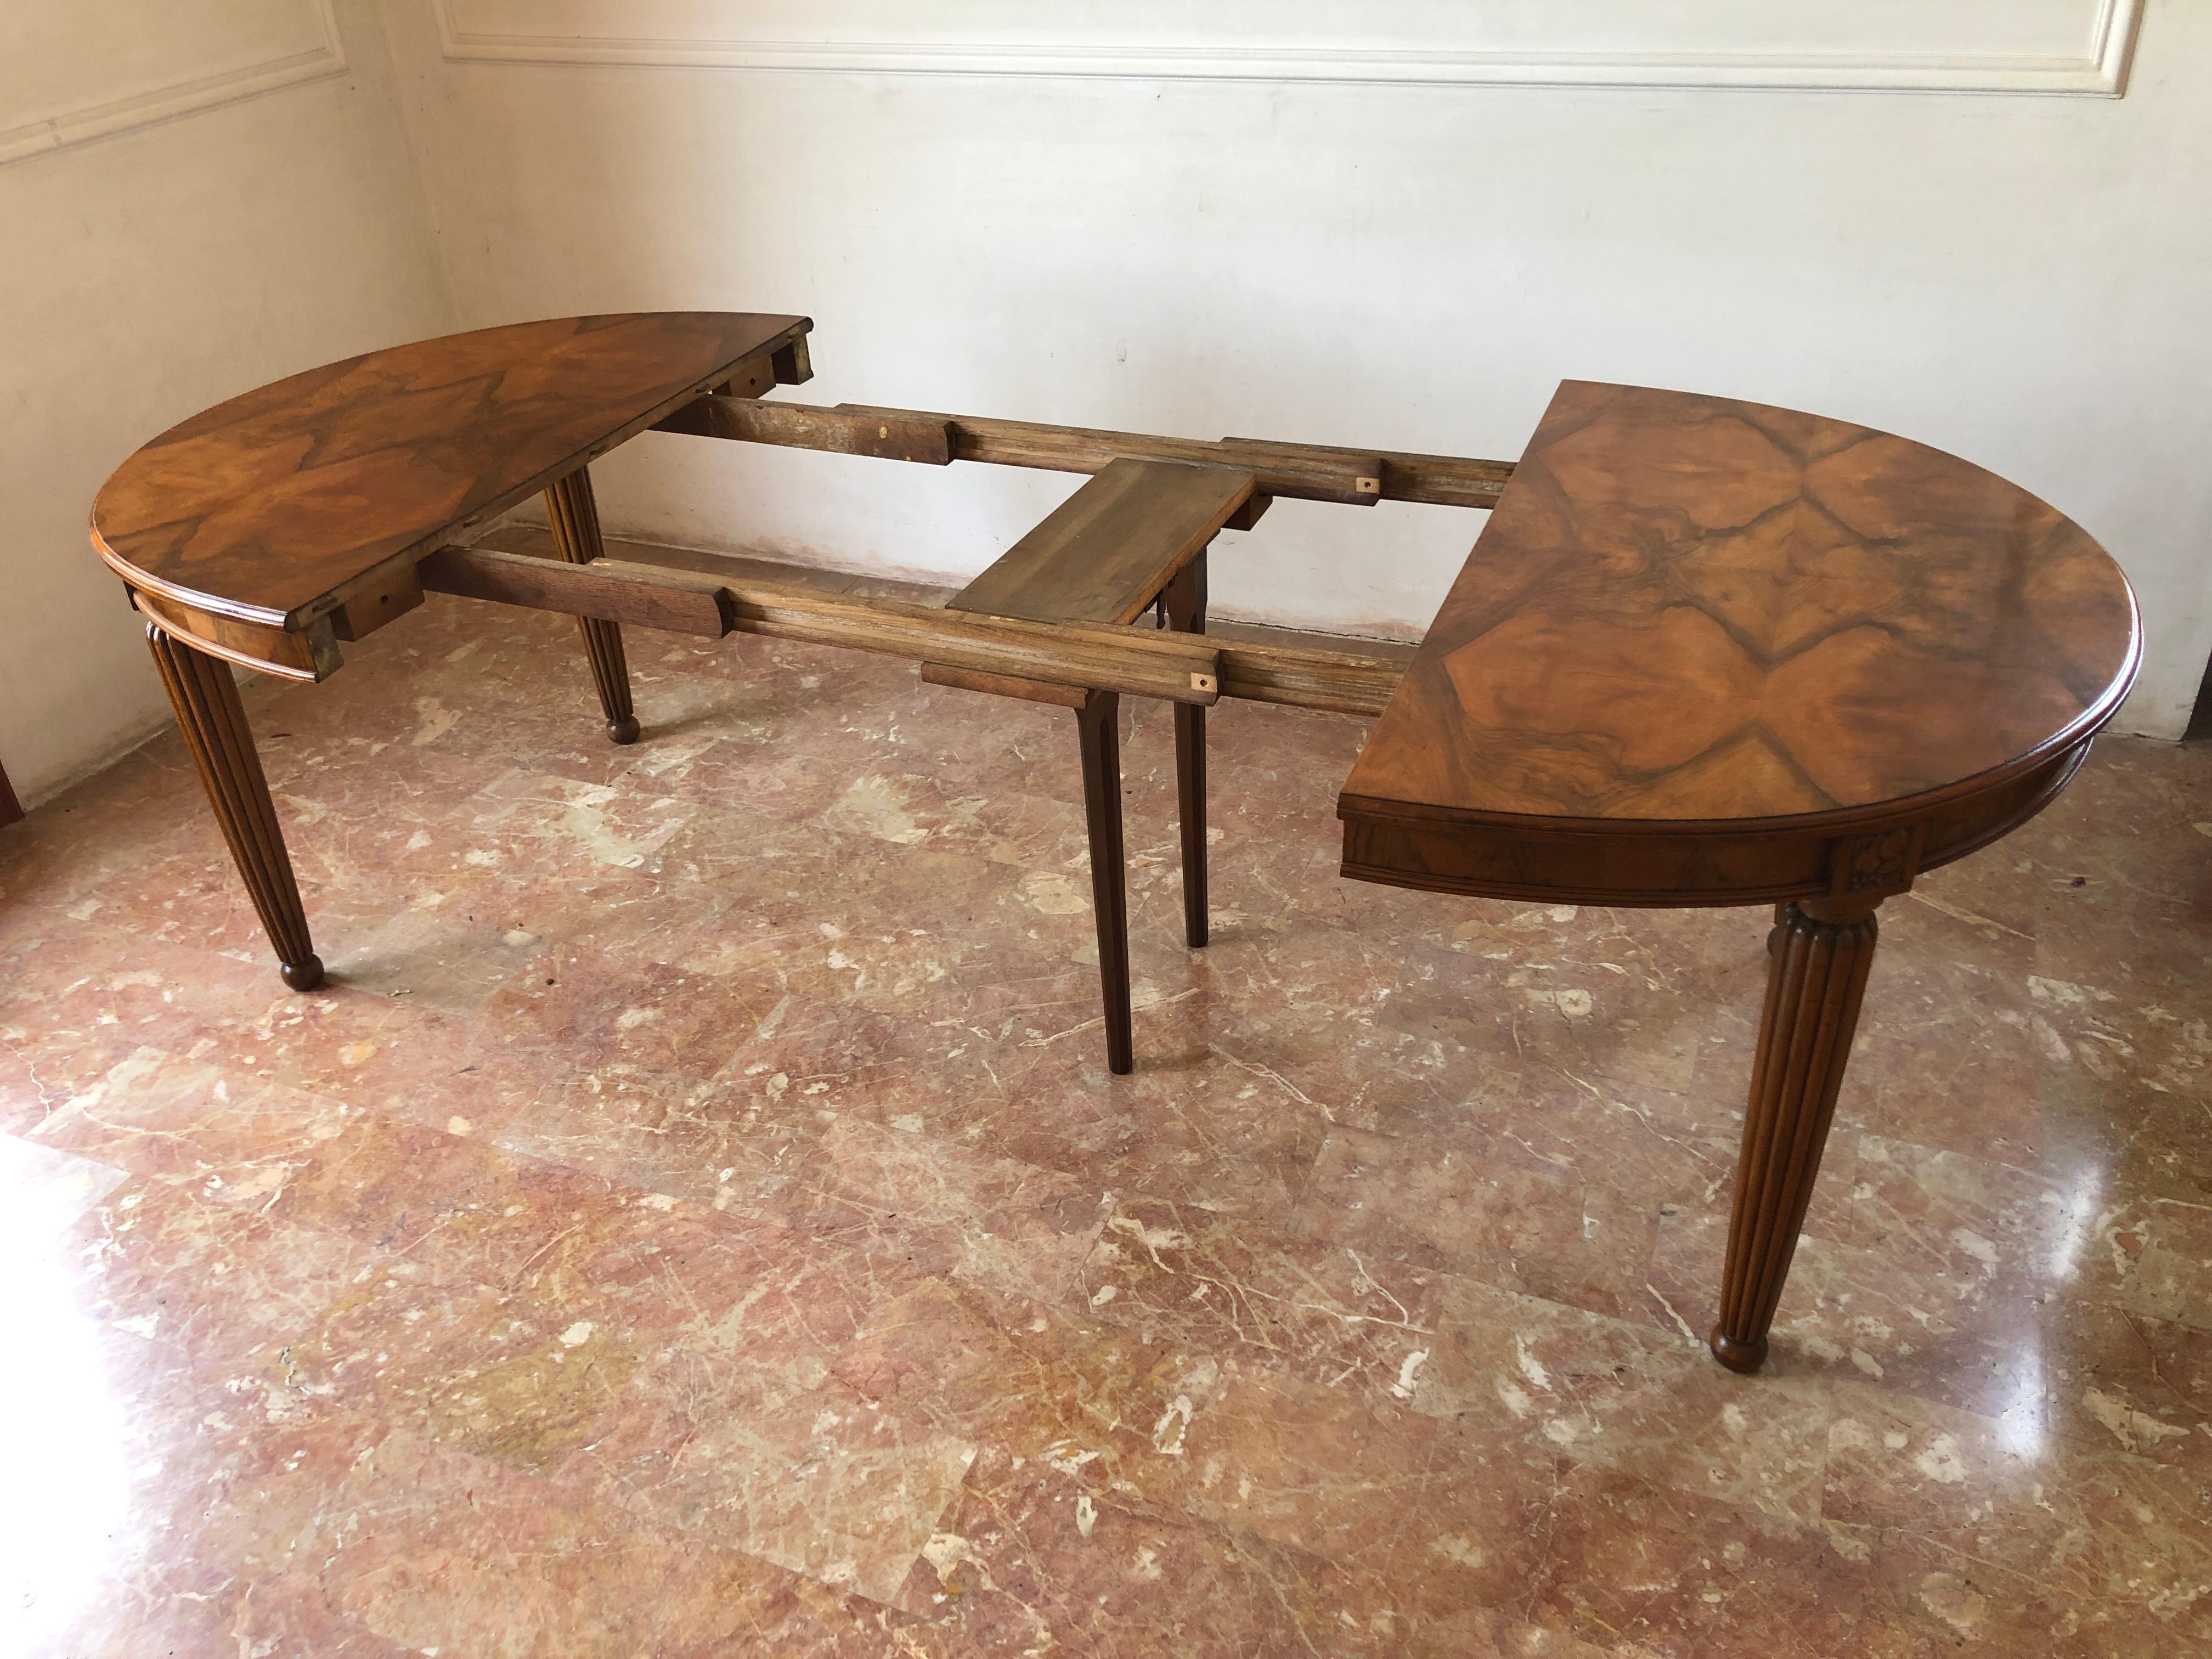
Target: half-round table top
[[1691, 615], [272, 508]]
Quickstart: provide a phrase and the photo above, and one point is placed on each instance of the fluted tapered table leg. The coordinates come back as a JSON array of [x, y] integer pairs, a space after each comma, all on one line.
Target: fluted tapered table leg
[[205, 698], [574, 515], [1821, 951]]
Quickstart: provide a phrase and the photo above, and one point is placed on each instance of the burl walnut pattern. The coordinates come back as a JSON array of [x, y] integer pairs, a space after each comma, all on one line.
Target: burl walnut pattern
[[268, 528], [1714, 653], [278, 506], [1711, 638], [1706, 652]]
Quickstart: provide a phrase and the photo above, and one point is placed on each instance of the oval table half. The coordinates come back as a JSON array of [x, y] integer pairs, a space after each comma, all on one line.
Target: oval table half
[[1712, 652], [268, 529]]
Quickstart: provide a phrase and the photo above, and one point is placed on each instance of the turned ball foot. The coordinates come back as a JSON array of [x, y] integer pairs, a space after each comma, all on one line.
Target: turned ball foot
[[624, 730], [305, 975], [1741, 1356]]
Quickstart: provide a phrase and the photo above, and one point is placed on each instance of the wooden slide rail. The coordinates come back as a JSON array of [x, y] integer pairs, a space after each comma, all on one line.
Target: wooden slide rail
[[1303, 472], [1185, 668], [976, 646]]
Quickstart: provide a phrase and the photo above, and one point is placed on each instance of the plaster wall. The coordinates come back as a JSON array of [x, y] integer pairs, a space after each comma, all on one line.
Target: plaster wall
[[2019, 277], [200, 196]]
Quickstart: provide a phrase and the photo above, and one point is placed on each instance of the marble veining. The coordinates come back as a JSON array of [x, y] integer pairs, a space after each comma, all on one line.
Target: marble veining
[[697, 1220]]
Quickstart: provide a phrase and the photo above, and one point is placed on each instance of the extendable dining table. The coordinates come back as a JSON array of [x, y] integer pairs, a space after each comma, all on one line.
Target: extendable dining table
[[1703, 653]]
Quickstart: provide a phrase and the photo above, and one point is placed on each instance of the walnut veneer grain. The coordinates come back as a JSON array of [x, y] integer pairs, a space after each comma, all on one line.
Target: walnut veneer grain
[[1706, 652], [1714, 653], [277, 506], [1702, 641]]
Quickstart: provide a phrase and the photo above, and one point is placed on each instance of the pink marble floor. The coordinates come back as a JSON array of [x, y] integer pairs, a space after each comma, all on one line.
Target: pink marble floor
[[697, 1220]]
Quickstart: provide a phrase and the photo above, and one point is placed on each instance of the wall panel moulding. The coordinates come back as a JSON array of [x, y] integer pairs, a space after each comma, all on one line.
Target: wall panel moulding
[[93, 68], [2076, 47]]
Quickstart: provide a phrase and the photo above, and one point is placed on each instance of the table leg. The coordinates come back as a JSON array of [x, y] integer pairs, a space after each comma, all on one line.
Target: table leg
[[574, 515], [205, 698], [1821, 950], [1184, 603], [1099, 726]]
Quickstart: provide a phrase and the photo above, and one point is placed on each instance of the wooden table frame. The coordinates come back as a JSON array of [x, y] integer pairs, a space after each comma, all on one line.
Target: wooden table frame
[[1435, 802], [1084, 665]]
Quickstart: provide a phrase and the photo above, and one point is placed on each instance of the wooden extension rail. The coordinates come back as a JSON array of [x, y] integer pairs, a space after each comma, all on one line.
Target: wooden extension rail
[[1144, 662], [1305, 472]]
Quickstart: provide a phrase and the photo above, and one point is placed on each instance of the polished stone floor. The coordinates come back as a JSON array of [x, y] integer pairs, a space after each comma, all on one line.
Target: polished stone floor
[[698, 1220]]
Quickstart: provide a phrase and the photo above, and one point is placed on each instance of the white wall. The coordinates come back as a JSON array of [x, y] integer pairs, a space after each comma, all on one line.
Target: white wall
[[199, 196], [2025, 280]]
